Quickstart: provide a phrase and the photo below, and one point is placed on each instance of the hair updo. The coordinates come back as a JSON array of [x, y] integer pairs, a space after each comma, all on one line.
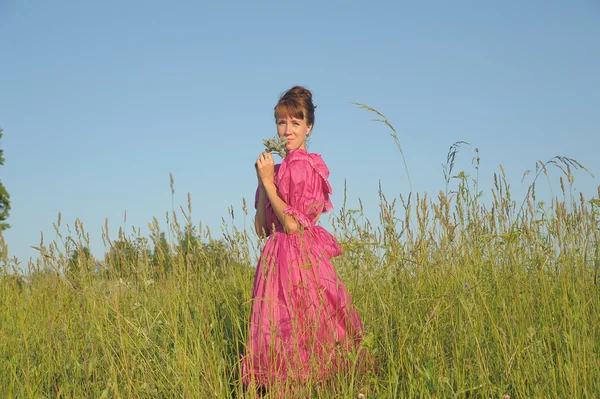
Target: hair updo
[[297, 103]]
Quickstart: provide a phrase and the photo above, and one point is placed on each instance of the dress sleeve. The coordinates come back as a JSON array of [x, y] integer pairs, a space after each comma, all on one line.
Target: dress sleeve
[[305, 191]]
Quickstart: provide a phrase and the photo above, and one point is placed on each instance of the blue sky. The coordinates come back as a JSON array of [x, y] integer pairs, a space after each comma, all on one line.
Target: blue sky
[[100, 101]]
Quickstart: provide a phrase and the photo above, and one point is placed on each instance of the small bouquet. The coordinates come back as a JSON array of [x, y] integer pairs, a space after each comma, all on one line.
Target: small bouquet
[[276, 145]]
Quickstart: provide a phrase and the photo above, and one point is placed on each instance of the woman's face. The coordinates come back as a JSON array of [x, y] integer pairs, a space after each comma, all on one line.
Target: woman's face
[[294, 130]]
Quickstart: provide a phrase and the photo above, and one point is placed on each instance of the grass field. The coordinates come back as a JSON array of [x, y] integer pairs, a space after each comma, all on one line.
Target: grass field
[[458, 298]]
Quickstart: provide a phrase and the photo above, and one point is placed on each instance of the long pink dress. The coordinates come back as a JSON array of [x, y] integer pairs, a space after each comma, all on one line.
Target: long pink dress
[[302, 320]]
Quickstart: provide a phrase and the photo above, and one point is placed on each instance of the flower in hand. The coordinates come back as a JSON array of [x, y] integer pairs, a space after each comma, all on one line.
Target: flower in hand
[[276, 145]]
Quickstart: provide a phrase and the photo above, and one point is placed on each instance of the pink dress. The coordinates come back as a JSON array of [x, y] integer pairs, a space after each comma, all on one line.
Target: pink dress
[[302, 322]]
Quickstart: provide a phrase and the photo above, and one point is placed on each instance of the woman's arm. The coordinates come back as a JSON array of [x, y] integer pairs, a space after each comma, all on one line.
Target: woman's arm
[[265, 171], [260, 220], [290, 226]]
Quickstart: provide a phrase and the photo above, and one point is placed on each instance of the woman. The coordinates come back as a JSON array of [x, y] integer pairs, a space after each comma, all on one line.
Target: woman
[[302, 321]]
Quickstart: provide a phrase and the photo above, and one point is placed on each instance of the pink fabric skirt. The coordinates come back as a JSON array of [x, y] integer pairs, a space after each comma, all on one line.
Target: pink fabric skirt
[[302, 323]]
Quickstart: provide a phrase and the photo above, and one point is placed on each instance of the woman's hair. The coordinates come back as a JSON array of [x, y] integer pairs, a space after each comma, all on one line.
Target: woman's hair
[[297, 103]]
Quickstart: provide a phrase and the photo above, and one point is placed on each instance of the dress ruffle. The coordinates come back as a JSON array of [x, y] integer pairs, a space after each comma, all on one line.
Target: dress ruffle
[[299, 216]]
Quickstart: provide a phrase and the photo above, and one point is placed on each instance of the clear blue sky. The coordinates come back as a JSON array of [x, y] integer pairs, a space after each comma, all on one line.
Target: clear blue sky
[[100, 101]]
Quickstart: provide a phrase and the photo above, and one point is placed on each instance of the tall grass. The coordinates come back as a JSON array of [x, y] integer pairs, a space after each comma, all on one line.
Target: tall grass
[[461, 296]]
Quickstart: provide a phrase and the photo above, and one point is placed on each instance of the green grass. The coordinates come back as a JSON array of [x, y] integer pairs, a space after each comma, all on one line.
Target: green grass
[[460, 297]]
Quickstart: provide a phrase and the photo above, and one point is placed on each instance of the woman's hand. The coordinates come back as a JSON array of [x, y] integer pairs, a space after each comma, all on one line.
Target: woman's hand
[[265, 168]]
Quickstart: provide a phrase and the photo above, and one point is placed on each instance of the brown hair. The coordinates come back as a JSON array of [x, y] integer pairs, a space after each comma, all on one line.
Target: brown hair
[[297, 103]]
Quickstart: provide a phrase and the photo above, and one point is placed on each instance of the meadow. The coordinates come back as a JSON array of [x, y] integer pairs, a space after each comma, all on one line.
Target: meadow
[[460, 297]]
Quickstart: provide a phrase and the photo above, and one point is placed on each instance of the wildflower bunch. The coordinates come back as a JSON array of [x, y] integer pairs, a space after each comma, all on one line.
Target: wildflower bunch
[[276, 145]]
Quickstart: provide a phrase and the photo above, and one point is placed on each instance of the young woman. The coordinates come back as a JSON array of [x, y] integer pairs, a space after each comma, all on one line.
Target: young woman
[[302, 321]]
